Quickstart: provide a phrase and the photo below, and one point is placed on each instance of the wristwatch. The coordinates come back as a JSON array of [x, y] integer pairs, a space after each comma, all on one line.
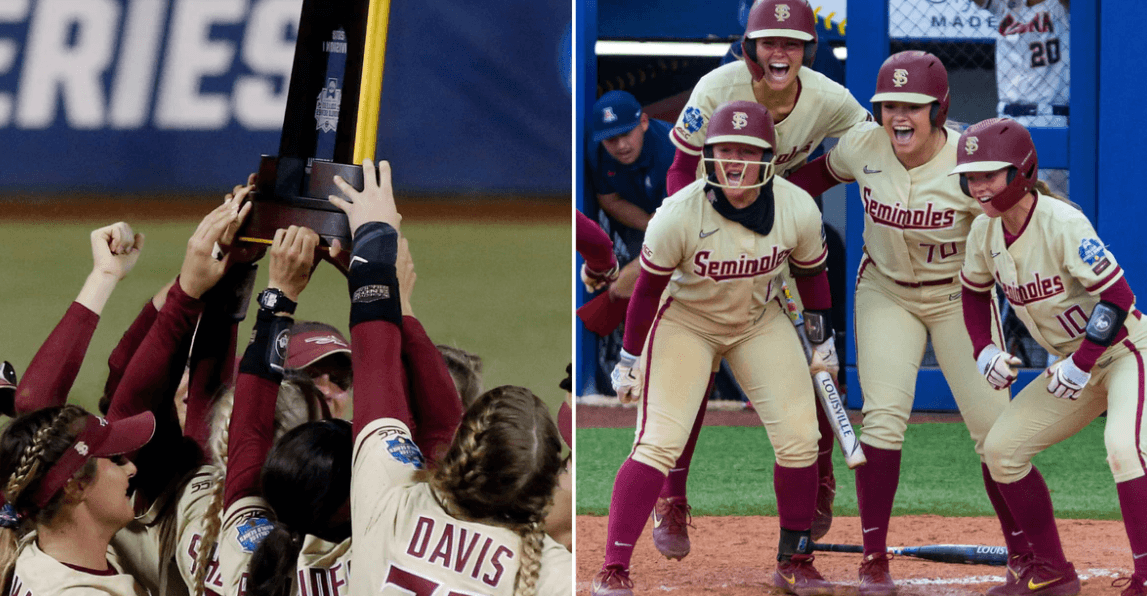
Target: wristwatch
[[274, 300]]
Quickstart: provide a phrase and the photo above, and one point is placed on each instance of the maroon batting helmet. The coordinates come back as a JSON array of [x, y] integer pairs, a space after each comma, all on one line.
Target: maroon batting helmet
[[746, 122], [778, 18], [913, 77], [996, 144]]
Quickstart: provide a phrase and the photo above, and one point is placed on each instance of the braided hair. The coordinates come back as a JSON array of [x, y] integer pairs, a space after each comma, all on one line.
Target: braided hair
[[502, 469], [28, 448]]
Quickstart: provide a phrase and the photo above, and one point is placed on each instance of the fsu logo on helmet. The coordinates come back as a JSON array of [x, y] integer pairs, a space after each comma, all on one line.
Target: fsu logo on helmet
[[900, 77], [781, 12], [971, 144], [740, 120]]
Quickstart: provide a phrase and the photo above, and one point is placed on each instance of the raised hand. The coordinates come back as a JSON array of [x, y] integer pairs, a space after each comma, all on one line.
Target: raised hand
[[374, 203], [115, 250], [292, 260], [205, 262]]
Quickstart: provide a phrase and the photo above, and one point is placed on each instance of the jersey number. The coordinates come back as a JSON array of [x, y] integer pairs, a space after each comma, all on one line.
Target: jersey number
[[947, 249], [1044, 53], [411, 583], [1073, 321]]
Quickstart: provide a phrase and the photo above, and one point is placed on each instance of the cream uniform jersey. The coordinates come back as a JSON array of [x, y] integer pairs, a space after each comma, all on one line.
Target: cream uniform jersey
[[138, 545], [1052, 273], [1032, 63], [721, 270], [38, 574], [915, 221], [823, 109], [414, 546]]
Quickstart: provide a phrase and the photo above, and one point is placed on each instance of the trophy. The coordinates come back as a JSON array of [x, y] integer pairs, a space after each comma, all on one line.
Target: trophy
[[330, 124]]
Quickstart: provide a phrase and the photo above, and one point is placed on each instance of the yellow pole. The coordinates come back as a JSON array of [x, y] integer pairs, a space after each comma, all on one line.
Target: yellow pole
[[370, 91]]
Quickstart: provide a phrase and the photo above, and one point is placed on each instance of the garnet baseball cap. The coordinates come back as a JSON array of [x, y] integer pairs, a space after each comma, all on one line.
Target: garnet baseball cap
[[311, 342], [615, 113], [99, 438]]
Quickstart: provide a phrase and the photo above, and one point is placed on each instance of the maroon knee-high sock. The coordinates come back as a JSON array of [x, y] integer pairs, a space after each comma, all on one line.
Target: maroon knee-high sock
[[876, 483], [1013, 534], [825, 444], [1030, 505], [634, 495], [796, 496], [674, 485], [1132, 496]]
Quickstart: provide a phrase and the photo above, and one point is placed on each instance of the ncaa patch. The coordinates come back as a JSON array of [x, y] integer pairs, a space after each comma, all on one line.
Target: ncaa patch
[[692, 119], [1091, 251], [405, 451], [252, 532]]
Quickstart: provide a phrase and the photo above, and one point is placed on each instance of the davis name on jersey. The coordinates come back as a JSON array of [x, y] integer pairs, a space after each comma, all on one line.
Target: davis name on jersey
[[457, 549], [896, 216], [744, 266]]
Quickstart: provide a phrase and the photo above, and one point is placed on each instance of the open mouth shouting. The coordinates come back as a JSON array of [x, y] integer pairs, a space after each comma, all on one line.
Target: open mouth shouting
[[903, 133], [778, 71]]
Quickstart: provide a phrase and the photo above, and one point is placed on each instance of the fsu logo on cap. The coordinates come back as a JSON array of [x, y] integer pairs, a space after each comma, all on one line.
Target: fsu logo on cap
[[81, 448], [607, 114], [781, 12], [900, 77], [971, 144], [740, 120]]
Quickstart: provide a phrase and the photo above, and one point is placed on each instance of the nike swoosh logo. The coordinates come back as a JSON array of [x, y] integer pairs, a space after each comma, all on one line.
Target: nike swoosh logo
[[867, 530], [1034, 586], [1139, 556], [868, 171], [952, 297], [995, 254], [1017, 533], [788, 579], [707, 234], [358, 258], [657, 520], [621, 544]]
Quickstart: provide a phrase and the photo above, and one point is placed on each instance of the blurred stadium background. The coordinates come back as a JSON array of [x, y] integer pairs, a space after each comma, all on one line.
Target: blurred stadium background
[[148, 111]]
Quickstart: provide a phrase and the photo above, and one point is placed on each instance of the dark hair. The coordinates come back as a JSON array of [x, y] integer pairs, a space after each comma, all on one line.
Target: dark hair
[[502, 468], [28, 448], [306, 481]]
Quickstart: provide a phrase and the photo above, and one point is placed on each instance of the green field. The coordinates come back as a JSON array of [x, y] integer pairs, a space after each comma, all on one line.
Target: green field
[[940, 473], [501, 291]]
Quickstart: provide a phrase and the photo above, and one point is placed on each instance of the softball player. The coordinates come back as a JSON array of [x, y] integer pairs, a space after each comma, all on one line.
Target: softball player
[[1071, 294], [916, 224], [806, 106], [64, 473], [719, 245]]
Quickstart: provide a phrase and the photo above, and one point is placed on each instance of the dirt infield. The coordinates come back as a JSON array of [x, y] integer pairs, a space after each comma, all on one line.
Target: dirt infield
[[735, 556]]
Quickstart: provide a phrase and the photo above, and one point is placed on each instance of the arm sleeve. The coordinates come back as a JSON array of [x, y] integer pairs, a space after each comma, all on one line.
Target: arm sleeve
[[642, 308], [250, 435], [814, 177], [128, 344], [53, 369], [814, 291], [593, 244], [379, 381], [435, 404], [1119, 294], [682, 172], [150, 379], [977, 317]]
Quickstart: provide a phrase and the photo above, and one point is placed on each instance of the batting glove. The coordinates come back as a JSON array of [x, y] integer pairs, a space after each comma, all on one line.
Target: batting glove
[[1067, 381], [998, 366], [824, 358], [595, 281], [625, 378]]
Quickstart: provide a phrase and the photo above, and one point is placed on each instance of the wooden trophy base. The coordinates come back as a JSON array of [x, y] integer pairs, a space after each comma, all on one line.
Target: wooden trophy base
[[277, 202]]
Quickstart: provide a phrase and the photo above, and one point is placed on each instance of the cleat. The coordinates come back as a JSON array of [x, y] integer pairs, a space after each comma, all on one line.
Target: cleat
[[1036, 577], [798, 576], [825, 495], [1136, 585], [1017, 567], [671, 522], [875, 580], [612, 581]]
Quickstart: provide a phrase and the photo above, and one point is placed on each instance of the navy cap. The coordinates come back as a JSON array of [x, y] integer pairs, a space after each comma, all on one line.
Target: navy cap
[[615, 113]]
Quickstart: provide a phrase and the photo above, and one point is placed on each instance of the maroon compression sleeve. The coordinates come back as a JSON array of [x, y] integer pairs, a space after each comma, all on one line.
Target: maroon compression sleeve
[[1120, 295], [53, 369], [379, 381], [147, 383], [814, 291], [128, 344], [814, 177], [250, 435], [977, 318], [642, 308], [593, 245], [212, 361], [682, 172], [434, 404]]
